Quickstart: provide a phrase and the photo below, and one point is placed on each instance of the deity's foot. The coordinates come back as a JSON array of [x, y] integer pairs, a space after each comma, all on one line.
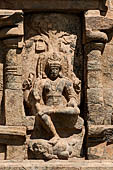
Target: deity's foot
[[54, 140]]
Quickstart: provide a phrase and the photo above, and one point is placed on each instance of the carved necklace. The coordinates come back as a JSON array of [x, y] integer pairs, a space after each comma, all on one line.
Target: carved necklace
[[54, 84]]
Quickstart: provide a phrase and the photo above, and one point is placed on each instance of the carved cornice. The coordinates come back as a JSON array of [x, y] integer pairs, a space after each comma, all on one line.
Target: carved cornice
[[11, 28], [98, 29], [70, 5]]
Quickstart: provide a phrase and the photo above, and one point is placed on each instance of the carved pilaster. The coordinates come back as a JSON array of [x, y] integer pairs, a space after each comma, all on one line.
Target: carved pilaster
[[99, 119], [11, 34], [93, 50], [13, 69]]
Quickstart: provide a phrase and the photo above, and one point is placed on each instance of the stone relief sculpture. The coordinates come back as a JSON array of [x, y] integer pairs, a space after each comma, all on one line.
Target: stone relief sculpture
[[63, 57], [50, 97], [52, 92]]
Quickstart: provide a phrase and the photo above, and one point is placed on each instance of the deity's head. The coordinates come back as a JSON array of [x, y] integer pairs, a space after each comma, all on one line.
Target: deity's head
[[54, 66]]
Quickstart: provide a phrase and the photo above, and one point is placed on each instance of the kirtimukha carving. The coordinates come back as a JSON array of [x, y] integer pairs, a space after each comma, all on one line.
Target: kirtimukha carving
[[54, 99]]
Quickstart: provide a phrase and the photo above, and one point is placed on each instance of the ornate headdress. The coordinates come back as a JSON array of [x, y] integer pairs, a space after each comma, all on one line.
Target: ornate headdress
[[54, 60]]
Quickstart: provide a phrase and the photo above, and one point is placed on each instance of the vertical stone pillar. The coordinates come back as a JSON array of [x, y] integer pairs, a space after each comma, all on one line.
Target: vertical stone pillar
[[13, 88], [13, 76], [13, 95], [95, 101], [99, 134]]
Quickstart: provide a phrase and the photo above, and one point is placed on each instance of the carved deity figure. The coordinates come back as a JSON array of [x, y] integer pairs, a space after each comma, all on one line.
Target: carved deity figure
[[54, 100], [54, 95]]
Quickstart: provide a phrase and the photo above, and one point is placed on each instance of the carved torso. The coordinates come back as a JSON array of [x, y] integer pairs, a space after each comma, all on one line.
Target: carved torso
[[54, 92]]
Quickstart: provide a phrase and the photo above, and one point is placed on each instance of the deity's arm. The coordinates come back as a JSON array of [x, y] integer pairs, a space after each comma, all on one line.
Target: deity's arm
[[37, 93], [37, 90], [76, 83], [71, 94]]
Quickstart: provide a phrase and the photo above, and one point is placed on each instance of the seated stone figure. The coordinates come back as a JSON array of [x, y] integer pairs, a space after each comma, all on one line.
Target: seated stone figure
[[54, 95], [54, 89]]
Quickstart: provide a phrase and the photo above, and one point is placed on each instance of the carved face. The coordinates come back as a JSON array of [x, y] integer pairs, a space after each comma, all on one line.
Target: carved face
[[54, 72]]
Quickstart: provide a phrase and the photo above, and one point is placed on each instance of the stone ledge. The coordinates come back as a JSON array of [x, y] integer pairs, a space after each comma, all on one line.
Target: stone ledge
[[57, 165], [12, 135], [13, 130]]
